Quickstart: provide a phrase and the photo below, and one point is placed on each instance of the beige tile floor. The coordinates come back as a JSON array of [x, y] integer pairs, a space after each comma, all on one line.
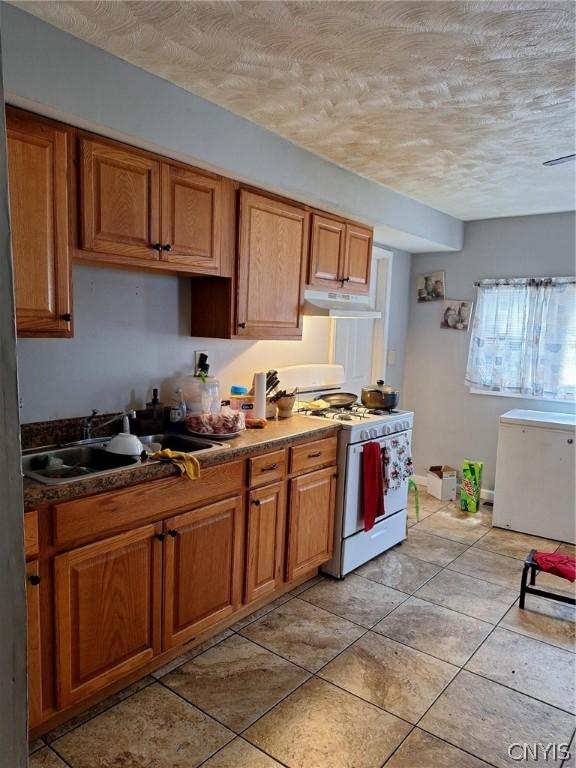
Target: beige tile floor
[[422, 659]]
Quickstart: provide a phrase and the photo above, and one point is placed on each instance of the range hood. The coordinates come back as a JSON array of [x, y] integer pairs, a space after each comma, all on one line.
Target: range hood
[[332, 304]]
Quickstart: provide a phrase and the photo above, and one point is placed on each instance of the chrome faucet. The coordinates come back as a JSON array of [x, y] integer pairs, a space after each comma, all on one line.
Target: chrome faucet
[[86, 425]]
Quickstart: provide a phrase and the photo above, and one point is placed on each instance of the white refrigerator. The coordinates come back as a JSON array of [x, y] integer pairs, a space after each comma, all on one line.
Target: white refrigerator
[[535, 474]]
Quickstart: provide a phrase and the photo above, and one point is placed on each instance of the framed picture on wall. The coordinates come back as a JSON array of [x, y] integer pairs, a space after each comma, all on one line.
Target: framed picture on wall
[[430, 287], [456, 314]]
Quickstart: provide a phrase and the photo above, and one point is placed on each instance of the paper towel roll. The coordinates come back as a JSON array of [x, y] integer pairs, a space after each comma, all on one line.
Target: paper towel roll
[[260, 395]]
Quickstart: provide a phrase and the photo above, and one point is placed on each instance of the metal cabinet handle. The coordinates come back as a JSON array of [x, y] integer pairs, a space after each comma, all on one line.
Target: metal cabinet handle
[[271, 468], [157, 247], [67, 317], [241, 325], [315, 455], [173, 533], [34, 580], [160, 536], [167, 247], [256, 502]]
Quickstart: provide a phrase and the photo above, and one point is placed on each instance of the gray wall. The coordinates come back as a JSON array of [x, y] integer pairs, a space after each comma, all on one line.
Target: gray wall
[[88, 87], [450, 423], [132, 332], [13, 741]]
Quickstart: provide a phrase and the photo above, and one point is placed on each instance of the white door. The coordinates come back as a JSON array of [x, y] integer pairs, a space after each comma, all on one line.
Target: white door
[[361, 345]]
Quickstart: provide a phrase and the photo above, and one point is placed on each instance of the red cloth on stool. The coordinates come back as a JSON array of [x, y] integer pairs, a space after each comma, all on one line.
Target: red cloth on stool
[[556, 563], [373, 482]]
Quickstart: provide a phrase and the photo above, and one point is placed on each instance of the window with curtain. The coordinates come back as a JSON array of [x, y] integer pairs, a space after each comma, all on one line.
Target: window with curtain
[[523, 339]]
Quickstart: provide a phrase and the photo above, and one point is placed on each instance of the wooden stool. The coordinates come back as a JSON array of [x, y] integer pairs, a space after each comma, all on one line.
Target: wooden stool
[[531, 589]]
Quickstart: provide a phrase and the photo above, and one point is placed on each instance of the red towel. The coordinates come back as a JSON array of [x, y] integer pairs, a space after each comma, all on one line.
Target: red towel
[[372, 479], [556, 563]]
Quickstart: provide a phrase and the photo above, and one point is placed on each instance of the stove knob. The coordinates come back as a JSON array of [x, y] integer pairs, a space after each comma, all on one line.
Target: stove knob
[[364, 435], [397, 426], [406, 425], [387, 430], [373, 433]]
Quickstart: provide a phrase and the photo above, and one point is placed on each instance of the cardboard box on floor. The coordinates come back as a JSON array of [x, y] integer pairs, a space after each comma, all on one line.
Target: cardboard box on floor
[[442, 482]]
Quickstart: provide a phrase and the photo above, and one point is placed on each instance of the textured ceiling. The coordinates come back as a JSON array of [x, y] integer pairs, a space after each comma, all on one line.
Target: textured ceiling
[[456, 104]]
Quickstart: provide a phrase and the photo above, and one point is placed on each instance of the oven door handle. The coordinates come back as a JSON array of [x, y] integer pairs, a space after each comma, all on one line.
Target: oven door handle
[[376, 534]]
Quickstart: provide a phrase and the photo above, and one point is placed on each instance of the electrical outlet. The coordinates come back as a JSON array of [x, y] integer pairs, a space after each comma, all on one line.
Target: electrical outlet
[[197, 354]]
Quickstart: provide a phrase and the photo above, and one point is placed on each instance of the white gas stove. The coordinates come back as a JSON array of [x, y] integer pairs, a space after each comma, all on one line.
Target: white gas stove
[[353, 545], [362, 424]]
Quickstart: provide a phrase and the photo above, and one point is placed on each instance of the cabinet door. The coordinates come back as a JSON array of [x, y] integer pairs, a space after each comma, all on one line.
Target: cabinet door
[[273, 248], [358, 258], [202, 569], [265, 542], [311, 521], [38, 166], [120, 201], [191, 218], [34, 644], [108, 602], [326, 252]]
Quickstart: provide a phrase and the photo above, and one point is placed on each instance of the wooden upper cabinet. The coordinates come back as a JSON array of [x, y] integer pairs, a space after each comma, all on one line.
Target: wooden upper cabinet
[[311, 521], [108, 603], [120, 201], [191, 218], [265, 541], [203, 566], [340, 255], [39, 161], [357, 258], [272, 254], [326, 252]]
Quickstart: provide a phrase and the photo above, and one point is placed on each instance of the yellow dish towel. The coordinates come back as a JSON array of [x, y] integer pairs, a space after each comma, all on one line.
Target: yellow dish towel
[[184, 461]]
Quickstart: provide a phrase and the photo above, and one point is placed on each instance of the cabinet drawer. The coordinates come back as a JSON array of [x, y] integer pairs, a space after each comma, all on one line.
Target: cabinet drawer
[[268, 468], [312, 455], [92, 517], [31, 534]]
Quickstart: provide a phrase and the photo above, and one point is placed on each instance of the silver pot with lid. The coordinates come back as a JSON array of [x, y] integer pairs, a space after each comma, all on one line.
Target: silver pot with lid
[[382, 397]]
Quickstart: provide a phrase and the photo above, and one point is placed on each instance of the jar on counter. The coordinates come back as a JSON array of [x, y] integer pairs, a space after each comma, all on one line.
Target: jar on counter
[[201, 395], [240, 400]]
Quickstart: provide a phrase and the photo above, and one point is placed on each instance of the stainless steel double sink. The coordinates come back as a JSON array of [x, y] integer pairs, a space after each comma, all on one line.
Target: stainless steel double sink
[[89, 458]]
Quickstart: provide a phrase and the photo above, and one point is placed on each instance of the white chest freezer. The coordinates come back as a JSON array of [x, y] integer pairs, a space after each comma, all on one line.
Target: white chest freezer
[[535, 474]]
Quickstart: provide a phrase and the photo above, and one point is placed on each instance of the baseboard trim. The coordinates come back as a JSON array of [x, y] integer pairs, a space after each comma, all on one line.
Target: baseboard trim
[[485, 493]]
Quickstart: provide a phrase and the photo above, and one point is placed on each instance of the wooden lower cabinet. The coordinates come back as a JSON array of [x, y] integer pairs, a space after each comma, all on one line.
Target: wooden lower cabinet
[[203, 565], [265, 543], [118, 605], [34, 644], [108, 610], [311, 521]]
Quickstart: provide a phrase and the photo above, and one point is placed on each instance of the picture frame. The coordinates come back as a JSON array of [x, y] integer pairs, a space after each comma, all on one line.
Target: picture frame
[[456, 314], [430, 286]]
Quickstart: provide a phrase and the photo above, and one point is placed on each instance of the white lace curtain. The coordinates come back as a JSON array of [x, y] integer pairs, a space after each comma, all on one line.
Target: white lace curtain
[[523, 338]]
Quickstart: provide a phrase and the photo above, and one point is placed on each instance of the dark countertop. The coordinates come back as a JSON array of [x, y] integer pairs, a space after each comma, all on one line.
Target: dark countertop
[[277, 434]]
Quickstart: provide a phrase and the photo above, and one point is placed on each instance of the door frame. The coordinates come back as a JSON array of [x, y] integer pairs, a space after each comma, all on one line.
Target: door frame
[[13, 704], [381, 283]]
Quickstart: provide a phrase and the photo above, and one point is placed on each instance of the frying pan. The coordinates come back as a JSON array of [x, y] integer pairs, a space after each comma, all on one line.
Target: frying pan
[[340, 399]]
